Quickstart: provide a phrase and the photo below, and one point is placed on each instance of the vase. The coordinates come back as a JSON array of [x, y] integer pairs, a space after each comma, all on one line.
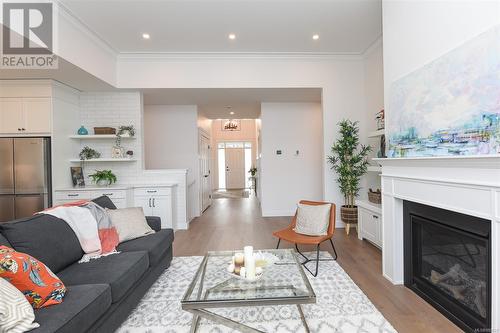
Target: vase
[[103, 182], [83, 131]]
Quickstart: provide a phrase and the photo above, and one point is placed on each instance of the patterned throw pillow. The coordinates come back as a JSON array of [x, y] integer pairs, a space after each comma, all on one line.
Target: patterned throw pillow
[[16, 314], [312, 220], [36, 281]]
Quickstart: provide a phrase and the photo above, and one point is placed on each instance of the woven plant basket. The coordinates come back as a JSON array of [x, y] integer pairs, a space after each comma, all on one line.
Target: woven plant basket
[[375, 196], [349, 214]]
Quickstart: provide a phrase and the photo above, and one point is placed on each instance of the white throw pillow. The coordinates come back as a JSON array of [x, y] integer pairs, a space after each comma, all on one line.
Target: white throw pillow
[[312, 220], [16, 313], [130, 223]]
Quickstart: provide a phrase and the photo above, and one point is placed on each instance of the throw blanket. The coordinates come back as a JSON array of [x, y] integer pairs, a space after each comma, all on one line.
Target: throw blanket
[[92, 226]]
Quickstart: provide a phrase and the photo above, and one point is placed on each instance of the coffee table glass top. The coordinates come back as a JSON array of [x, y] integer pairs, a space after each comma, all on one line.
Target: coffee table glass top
[[282, 283]]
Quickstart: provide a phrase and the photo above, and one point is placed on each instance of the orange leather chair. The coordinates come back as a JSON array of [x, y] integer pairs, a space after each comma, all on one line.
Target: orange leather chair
[[289, 235]]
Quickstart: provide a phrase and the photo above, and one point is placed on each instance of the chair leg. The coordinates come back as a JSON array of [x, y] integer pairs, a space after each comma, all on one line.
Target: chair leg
[[308, 260], [278, 246], [333, 247]]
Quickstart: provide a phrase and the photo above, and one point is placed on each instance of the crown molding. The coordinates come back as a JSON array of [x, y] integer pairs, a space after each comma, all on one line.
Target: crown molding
[[84, 28], [176, 56]]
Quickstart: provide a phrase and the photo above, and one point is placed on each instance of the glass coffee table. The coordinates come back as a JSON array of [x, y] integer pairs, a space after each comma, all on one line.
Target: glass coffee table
[[283, 283]]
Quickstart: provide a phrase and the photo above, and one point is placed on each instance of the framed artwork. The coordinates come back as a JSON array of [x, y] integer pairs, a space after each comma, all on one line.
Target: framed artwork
[[231, 125], [77, 176]]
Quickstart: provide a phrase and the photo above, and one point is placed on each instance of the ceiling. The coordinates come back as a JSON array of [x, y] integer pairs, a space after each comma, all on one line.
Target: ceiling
[[184, 26], [213, 103]]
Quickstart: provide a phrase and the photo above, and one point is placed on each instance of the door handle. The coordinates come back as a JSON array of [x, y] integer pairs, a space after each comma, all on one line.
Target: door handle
[[227, 168]]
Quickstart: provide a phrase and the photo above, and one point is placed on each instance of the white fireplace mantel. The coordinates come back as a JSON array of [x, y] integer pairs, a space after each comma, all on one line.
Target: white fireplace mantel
[[464, 184]]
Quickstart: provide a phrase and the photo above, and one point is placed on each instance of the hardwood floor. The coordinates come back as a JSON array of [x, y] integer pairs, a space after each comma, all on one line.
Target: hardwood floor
[[232, 223]]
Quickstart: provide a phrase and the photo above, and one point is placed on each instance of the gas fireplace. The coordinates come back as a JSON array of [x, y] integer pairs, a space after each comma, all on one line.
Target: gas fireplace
[[447, 261]]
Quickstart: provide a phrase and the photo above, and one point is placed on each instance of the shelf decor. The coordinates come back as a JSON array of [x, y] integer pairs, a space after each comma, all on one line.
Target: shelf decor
[[83, 131], [88, 153]]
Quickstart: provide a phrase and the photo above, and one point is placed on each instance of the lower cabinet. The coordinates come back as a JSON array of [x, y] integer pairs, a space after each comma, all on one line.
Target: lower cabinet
[[119, 197], [370, 224], [156, 202]]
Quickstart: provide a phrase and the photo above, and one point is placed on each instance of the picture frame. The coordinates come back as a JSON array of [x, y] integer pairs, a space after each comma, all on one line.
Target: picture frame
[[77, 176]]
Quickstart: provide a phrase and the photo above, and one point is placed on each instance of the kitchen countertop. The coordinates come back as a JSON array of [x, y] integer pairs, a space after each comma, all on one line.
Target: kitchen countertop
[[114, 187]]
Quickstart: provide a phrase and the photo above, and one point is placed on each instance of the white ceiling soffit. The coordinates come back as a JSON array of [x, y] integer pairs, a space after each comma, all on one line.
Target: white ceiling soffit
[[203, 26]]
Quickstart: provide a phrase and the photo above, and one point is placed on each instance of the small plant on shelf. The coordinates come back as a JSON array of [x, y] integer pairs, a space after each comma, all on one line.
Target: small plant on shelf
[[126, 130], [103, 177], [88, 153], [349, 160]]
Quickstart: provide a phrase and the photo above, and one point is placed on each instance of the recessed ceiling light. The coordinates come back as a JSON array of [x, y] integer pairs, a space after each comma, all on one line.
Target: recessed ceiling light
[[231, 36], [232, 112], [315, 36], [146, 36]]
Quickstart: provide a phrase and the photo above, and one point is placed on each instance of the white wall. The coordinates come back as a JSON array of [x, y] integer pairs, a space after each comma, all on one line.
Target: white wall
[[417, 32], [171, 142], [287, 178]]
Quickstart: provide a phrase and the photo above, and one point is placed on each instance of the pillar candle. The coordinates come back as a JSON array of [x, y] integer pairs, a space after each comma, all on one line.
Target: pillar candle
[[249, 262]]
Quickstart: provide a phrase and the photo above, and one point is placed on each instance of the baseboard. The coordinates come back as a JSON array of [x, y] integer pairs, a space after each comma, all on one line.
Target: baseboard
[[273, 213]]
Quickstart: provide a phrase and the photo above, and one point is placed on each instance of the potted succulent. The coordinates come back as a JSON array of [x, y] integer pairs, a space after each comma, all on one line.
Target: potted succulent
[[88, 153], [126, 131], [349, 161], [103, 177]]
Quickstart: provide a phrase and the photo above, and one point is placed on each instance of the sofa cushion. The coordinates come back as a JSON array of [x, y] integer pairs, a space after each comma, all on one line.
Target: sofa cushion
[[45, 237], [154, 222], [105, 202], [155, 244], [4, 241], [82, 306], [121, 271]]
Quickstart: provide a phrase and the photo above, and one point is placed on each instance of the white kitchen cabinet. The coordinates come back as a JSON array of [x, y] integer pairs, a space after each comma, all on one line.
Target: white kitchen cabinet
[[118, 196], [25, 115], [370, 222], [156, 201]]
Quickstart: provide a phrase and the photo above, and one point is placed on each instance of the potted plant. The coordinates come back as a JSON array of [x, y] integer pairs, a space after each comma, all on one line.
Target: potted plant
[[88, 153], [349, 160], [253, 171], [126, 131], [103, 177]]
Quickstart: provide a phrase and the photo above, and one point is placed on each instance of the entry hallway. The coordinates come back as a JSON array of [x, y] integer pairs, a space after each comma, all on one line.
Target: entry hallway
[[230, 224]]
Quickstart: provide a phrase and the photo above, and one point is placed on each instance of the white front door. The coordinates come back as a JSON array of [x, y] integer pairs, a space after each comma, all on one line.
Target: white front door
[[235, 168], [205, 188]]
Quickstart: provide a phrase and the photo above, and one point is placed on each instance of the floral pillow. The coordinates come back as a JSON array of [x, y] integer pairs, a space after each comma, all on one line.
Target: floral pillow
[[36, 281]]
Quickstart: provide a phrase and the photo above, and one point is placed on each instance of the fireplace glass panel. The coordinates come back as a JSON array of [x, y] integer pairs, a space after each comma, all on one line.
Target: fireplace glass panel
[[453, 262]]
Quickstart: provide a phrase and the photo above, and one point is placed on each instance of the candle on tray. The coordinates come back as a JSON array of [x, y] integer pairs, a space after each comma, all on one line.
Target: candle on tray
[[249, 262]]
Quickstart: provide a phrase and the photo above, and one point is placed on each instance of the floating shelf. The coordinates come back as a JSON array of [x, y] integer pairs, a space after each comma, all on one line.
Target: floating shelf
[[376, 133], [100, 137], [374, 168], [104, 160]]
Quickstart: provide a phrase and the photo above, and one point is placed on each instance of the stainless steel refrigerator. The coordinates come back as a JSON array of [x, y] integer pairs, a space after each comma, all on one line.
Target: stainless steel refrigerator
[[25, 184]]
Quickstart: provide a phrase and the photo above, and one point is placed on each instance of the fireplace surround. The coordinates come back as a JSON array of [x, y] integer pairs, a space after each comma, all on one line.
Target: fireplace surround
[[468, 185], [447, 261]]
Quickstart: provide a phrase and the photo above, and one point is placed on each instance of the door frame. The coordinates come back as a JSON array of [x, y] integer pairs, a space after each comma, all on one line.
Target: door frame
[[204, 134]]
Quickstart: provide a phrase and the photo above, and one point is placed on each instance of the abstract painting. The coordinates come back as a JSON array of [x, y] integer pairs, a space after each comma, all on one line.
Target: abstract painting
[[450, 106]]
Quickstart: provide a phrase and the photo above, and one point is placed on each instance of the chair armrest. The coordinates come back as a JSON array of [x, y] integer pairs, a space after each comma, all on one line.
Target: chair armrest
[[154, 222]]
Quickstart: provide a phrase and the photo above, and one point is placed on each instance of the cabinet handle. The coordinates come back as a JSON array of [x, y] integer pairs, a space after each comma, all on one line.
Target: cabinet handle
[[149, 202], [108, 194], [23, 129], [19, 129], [151, 191], [375, 216], [73, 195], [154, 202]]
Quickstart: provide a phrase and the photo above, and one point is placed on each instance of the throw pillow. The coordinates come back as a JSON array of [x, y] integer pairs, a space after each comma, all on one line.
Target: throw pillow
[[130, 223], [16, 314], [312, 220], [36, 281]]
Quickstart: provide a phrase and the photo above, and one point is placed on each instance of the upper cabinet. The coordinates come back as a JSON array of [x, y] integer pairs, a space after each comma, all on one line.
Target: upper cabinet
[[25, 115]]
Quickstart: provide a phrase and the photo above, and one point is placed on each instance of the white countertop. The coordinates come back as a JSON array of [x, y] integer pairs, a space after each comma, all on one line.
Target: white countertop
[[114, 187]]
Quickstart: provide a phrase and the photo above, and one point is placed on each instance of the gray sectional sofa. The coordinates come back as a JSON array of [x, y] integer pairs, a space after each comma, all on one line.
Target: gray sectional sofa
[[101, 293]]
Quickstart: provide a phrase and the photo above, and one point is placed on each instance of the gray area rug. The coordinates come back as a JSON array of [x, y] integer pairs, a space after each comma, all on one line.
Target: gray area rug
[[341, 306]]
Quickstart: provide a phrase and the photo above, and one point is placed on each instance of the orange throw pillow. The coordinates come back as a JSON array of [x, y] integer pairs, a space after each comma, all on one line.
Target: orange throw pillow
[[36, 281]]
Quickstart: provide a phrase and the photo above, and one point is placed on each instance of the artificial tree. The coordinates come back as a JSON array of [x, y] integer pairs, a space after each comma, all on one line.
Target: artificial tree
[[349, 161]]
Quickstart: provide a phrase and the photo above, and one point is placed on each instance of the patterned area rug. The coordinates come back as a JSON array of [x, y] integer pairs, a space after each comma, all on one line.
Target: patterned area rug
[[341, 306]]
